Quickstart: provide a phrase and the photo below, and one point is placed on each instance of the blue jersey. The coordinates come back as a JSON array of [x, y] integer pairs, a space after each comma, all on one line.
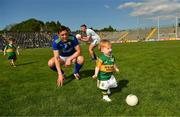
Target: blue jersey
[[65, 48]]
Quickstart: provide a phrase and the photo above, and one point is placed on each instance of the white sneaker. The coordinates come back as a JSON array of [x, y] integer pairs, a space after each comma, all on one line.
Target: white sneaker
[[106, 98], [77, 76], [108, 91]]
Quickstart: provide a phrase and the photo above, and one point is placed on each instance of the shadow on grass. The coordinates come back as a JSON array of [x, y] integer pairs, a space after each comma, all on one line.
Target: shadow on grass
[[86, 73], [83, 74], [27, 63], [121, 84]]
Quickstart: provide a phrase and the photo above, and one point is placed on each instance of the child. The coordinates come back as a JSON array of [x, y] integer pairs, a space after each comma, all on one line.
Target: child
[[104, 70], [11, 50]]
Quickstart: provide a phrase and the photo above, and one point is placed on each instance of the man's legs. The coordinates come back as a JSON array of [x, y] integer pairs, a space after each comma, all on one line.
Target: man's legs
[[51, 64], [78, 64], [91, 51]]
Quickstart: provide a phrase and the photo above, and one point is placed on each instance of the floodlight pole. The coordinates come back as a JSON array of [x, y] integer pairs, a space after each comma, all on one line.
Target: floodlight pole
[[176, 27], [138, 27], [158, 28]]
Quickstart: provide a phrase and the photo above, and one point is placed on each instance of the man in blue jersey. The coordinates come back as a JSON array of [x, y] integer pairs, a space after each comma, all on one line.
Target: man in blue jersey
[[66, 49]]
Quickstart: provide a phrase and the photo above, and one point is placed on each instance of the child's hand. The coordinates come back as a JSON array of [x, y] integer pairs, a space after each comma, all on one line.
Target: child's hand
[[94, 76], [116, 69]]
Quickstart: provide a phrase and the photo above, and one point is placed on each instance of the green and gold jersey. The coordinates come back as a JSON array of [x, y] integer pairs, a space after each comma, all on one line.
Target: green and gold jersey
[[10, 48], [106, 67], [11, 51]]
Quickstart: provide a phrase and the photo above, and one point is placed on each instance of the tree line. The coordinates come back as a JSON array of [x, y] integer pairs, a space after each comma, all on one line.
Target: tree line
[[34, 25]]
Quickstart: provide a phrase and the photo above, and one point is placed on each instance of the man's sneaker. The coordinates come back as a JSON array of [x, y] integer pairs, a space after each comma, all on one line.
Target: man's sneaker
[[108, 92], [77, 76], [93, 59], [106, 98]]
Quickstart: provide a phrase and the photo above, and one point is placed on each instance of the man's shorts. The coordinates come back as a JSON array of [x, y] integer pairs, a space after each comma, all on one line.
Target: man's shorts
[[95, 42], [64, 58]]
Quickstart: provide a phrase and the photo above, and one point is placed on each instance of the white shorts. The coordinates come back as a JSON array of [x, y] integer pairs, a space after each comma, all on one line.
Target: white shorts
[[64, 58], [107, 84], [95, 41]]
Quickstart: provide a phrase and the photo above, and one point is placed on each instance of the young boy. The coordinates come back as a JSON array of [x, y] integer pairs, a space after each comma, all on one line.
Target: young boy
[[11, 50], [104, 69]]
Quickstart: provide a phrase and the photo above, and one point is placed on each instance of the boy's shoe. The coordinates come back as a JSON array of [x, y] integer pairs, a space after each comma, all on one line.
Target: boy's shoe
[[11, 64], [108, 91], [106, 98], [77, 76]]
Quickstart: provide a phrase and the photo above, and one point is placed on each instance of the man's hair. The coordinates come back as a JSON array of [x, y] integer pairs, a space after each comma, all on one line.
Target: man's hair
[[83, 25], [104, 43], [63, 28]]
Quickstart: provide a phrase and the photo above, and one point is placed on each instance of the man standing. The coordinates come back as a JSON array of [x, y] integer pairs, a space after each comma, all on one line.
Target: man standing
[[93, 38]]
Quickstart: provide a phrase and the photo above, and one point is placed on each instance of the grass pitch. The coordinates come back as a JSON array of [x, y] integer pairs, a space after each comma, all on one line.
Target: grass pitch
[[149, 70]]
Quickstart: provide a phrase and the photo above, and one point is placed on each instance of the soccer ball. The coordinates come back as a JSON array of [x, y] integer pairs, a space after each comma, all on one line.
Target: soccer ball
[[78, 36], [131, 100]]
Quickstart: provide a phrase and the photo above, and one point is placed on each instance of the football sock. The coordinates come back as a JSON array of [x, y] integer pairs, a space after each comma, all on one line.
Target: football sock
[[77, 67], [94, 57]]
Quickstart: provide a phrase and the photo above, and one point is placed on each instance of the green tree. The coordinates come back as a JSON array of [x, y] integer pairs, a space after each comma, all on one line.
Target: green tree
[[31, 25], [109, 29]]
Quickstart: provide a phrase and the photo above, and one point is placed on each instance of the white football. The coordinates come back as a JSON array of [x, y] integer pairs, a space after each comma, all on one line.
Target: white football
[[78, 36], [131, 100]]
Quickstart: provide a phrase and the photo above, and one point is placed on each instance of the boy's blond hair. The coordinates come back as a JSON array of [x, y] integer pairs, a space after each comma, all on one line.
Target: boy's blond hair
[[11, 39], [104, 43], [8, 39]]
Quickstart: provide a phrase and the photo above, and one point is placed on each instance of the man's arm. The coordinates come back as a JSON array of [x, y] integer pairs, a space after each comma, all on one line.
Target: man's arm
[[57, 63], [86, 38], [75, 55]]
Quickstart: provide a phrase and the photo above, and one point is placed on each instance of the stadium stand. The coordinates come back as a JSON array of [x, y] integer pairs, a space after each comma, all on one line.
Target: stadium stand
[[44, 39], [31, 39]]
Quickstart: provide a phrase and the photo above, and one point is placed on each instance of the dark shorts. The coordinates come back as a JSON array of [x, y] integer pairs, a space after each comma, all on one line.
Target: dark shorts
[[12, 56]]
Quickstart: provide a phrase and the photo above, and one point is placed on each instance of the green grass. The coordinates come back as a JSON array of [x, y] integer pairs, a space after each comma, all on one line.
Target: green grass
[[149, 70]]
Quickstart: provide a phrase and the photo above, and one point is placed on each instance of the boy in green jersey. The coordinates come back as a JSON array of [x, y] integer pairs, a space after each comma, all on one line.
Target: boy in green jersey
[[11, 50], [105, 68]]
